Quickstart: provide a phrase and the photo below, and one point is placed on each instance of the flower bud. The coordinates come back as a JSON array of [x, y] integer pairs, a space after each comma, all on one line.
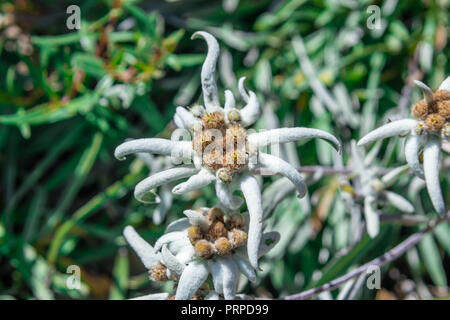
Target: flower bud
[[235, 221], [234, 115], [215, 214], [238, 238], [434, 122], [194, 234], [224, 175], [223, 246], [217, 230], [420, 109], [203, 249], [158, 273]]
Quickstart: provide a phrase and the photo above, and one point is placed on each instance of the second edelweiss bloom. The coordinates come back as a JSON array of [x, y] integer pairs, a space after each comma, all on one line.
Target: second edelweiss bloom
[[205, 242], [426, 134], [222, 150]]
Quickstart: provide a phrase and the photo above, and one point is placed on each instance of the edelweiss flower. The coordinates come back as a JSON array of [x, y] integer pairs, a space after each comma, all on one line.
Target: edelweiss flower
[[426, 133], [206, 242], [371, 190], [222, 150]]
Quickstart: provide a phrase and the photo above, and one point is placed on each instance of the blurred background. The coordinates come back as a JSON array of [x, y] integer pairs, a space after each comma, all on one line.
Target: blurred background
[[71, 92]]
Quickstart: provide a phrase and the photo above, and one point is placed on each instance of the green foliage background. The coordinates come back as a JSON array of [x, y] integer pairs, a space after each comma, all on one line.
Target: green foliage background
[[65, 199]]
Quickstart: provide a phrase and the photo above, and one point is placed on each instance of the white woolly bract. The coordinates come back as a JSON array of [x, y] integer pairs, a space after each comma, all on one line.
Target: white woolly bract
[[445, 85], [278, 165], [398, 127], [216, 273], [245, 267], [251, 111], [169, 238], [230, 276], [399, 202], [191, 279], [196, 218], [283, 135], [171, 262], [143, 249], [431, 170], [225, 196], [178, 225], [252, 195], [197, 181], [413, 145], [208, 80], [172, 174], [371, 216], [155, 146], [426, 91]]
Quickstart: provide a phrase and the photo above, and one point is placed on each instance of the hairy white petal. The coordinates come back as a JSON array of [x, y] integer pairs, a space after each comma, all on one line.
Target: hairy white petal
[[142, 248], [197, 219], [212, 295], [191, 279], [242, 90], [277, 165], [178, 225], [283, 135], [153, 296], [427, 92], [413, 145], [171, 262], [178, 121], [161, 178], [445, 85], [230, 275], [216, 272], [251, 111], [186, 255], [392, 176], [187, 117], [180, 245], [226, 198], [245, 267], [431, 169], [252, 194], [399, 202], [169, 237], [209, 86], [371, 216], [398, 127], [163, 207], [153, 145], [268, 241], [197, 181], [230, 102]]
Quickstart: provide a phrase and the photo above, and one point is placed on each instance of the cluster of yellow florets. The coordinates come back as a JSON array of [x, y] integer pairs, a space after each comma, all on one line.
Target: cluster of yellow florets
[[436, 113], [158, 273], [223, 234], [222, 146]]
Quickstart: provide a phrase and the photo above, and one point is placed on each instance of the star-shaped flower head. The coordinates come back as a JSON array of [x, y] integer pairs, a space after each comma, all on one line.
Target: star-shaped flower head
[[222, 150], [206, 242], [426, 133], [370, 190]]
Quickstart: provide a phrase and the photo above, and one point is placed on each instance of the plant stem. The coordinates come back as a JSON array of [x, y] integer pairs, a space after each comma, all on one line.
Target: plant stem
[[389, 256]]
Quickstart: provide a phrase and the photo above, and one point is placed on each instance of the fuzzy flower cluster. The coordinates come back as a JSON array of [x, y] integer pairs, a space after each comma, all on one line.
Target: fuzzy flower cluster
[[206, 242], [371, 190], [426, 134], [222, 151]]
